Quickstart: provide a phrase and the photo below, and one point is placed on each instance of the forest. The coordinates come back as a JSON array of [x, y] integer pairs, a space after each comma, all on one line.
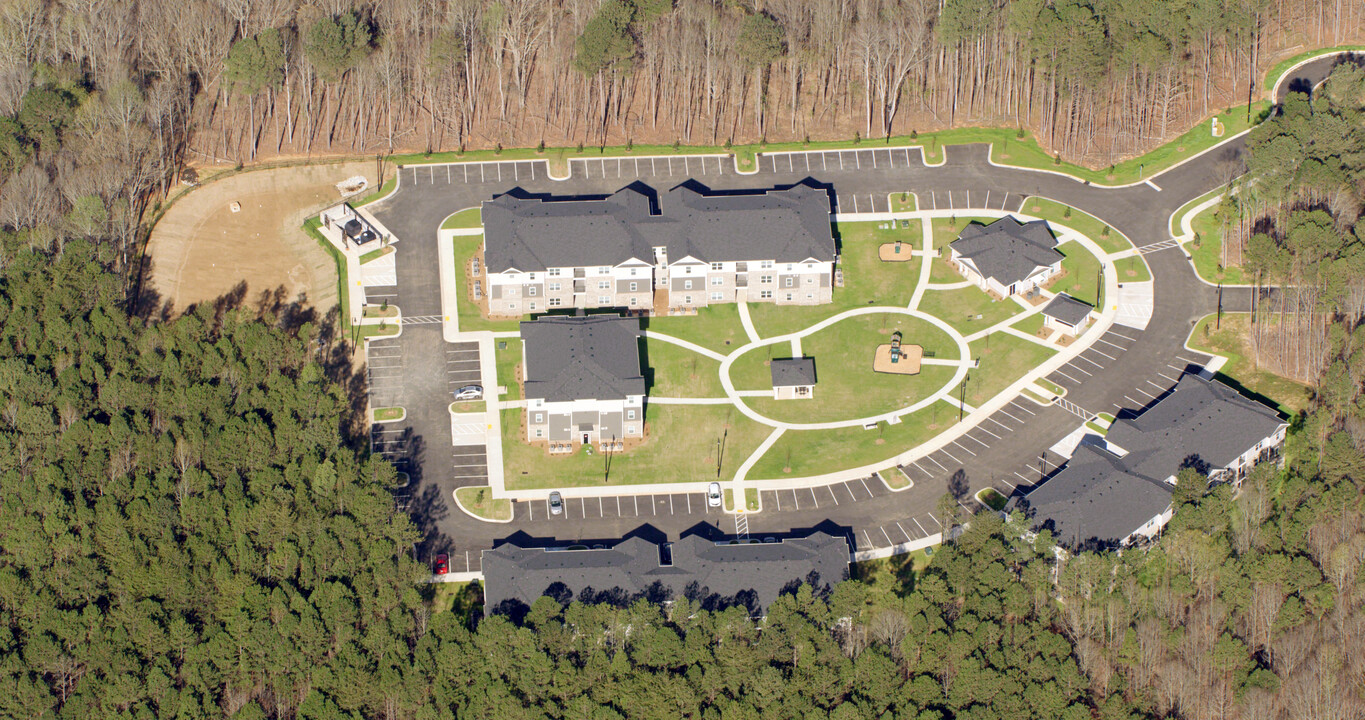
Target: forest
[[191, 525]]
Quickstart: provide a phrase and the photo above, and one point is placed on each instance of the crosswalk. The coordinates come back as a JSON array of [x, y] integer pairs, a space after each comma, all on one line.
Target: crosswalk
[[1158, 246], [1074, 409], [422, 320]]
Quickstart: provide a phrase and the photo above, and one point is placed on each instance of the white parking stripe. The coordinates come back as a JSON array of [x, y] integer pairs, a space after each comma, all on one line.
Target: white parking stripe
[[1003, 425], [1092, 362], [964, 447], [888, 537], [988, 432], [1068, 377], [903, 532], [921, 527], [778, 499], [864, 482], [931, 459], [831, 494], [1079, 369], [618, 506], [950, 457], [1016, 404], [1168, 377], [795, 501], [813, 498], [969, 435], [1021, 477], [1159, 387]]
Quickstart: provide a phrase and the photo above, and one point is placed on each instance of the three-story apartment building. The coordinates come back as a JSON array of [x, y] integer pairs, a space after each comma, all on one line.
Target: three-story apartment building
[[692, 251]]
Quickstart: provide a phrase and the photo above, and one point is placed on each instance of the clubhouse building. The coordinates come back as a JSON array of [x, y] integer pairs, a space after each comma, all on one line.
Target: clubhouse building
[[1006, 257]]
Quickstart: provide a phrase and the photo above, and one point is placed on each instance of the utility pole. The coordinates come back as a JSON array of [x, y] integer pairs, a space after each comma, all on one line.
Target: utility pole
[[962, 397], [1218, 322]]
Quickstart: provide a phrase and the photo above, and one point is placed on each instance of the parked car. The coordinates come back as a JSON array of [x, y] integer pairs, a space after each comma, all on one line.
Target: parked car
[[442, 564], [469, 392], [556, 503], [713, 494]]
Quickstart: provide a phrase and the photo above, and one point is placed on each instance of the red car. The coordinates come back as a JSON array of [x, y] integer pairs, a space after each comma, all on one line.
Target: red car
[[442, 564]]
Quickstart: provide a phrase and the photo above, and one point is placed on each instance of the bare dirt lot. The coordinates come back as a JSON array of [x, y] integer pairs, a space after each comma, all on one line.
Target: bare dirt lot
[[201, 250]]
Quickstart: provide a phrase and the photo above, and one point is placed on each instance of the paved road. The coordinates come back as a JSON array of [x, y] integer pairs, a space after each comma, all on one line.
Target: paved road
[[1126, 370]]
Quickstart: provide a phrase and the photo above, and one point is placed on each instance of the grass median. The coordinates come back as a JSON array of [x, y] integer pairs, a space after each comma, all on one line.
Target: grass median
[[803, 453]]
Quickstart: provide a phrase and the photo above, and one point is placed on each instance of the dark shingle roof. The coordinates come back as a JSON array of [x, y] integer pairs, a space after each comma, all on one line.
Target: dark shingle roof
[[582, 358], [1201, 420], [1008, 250], [1067, 309], [533, 234], [1095, 498], [752, 574], [793, 371]]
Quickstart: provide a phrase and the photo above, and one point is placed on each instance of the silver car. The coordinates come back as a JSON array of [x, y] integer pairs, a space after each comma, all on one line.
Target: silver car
[[713, 494], [469, 392], [556, 503]]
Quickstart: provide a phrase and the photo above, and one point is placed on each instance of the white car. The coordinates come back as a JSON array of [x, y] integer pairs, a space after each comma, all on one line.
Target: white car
[[469, 392], [713, 495], [556, 503]]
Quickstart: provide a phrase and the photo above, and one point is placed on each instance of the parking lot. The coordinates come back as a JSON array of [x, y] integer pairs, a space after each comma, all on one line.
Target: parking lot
[[616, 506]]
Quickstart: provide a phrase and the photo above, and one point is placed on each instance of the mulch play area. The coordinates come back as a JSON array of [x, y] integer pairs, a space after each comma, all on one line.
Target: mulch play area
[[908, 364]]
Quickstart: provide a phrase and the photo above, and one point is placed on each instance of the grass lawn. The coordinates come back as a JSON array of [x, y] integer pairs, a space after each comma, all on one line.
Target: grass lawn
[[904, 202], [379, 311], [1031, 324], [674, 371], [800, 453], [375, 254], [751, 371], [716, 327], [846, 386], [466, 218], [1109, 239], [1080, 271], [1132, 269], [471, 317], [1050, 386], [383, 191], [992, 499], [960, 308], [1231, 340], [681, 446], [1004, 359], [1207, 252], [941, 272], [380, 330], [387, 414], [478, 500], [508, 360], [468, 406], [867, 280]]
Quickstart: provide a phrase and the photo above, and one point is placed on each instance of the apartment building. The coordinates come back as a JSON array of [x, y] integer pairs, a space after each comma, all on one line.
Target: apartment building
[[693, 250]]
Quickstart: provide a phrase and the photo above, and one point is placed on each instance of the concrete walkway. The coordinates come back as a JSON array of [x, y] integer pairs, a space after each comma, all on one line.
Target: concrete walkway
[[747, 322]]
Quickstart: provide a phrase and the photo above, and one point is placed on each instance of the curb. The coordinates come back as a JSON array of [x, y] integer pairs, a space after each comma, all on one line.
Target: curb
[[455, 495]]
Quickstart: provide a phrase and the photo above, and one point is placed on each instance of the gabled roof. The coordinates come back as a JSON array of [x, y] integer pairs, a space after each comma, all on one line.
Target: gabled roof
[[1067, 309], [1095, 498], [1007, 250], [532, 234], [787, 372], [1200, 421], [751, 574], [582, 358]]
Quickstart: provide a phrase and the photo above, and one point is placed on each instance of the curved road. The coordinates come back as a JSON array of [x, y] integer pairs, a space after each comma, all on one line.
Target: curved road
[[1125, 370]]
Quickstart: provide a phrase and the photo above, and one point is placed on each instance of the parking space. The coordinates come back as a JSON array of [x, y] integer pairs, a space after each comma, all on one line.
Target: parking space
[[384, 368], [843, 493], [971, 199], [462, 365], [630, 168], [469, 464], [615, 506]]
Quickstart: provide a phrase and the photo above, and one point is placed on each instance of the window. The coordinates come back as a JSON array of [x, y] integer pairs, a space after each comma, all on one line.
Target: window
[[533, 306], [511, 306], [540, 418], [810, 296], [540, 432], [766, 265], [512, 292], [717, 296], [789, 267], [687, 284], [604, 270], [554, 286], [717, 266], [532, 276], [630, 429], [765, 279], [717, 280], [687, 270], [634, 271], [634, 287], [787, 281], [531, 290], [603, 284], [810, 281], [630, 414], [789, 297], [603, 299], [687, 299], [552, 272], [765, 295], [555, 302], [634, 301]]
